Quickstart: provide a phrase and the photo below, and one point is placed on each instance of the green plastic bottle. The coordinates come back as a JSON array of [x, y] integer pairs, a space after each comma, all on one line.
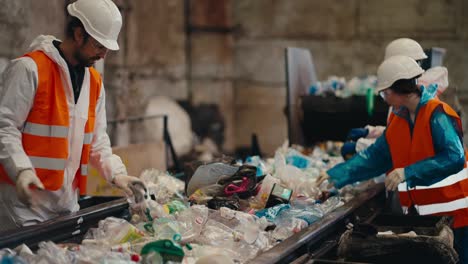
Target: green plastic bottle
[[370, 101], [169, 250]]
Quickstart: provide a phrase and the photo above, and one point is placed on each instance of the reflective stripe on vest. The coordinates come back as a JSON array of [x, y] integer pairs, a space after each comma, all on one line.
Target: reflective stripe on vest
[[443, 196], [452, 179], [88, 138], [84, 170], [446, 197], [45, 130], [442, 207], [48, 163]]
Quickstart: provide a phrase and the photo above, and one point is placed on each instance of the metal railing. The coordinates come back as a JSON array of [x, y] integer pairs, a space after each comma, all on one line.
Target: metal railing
[[170, 151]]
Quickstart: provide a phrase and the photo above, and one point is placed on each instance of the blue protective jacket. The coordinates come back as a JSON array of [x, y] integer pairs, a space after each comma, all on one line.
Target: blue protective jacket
[[376, 159]]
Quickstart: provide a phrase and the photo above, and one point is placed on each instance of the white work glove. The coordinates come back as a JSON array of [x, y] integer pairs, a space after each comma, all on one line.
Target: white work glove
[[25, 182], [394, 178], [374, 131], [132, 186]]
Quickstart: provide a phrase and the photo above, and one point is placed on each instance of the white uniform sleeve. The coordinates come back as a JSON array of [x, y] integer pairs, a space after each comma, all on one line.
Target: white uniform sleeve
[[16, 99], [101, 157]]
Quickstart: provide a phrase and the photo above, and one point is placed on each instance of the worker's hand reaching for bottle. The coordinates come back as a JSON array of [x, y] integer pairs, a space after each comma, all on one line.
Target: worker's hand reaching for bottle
[[394, 178], [322, 178], [129, 185], [26, 181]]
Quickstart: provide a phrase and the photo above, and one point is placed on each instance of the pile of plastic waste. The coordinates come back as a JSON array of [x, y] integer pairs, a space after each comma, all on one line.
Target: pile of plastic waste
[[228, 211]]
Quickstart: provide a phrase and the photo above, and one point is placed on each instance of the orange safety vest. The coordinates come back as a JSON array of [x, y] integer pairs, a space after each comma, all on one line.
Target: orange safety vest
[[446, 197], [45, 132]]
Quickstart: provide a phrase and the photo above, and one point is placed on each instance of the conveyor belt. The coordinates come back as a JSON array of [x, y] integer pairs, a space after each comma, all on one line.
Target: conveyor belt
[[316, 238], [67, 228], [321, 237]]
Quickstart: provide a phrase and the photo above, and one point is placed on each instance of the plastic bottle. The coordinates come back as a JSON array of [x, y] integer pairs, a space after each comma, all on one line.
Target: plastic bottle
[[166, 229], [174, 206], [168, 250], [273, 212], [11, 260], [114, 231], [370, 101], [315, 89], [127, 233]]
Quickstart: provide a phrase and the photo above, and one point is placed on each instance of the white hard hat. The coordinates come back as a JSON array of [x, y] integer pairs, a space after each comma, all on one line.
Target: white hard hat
[[101, 19], [407, 47], [396, 68]]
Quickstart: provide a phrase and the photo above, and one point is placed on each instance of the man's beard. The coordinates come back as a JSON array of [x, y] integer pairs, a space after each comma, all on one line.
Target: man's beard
[[83, 61]]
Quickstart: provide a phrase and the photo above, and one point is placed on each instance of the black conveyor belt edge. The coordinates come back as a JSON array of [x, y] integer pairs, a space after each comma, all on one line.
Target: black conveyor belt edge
[[63, 227], [293, 247]]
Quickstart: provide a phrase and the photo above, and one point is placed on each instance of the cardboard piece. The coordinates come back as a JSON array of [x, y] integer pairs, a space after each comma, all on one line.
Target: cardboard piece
[[137, 158]]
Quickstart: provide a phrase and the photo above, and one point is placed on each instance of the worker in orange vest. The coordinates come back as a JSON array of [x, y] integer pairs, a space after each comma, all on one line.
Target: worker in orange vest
[[421, 151], [53, 119], [360, 138]]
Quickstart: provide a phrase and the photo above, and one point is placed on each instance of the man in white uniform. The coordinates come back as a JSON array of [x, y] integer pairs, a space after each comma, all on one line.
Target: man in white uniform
[[53, 119]]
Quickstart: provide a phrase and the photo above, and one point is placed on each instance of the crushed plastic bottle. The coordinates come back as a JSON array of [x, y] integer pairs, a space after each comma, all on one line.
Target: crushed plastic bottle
[[272, 213], [288, 228], [174, 206]]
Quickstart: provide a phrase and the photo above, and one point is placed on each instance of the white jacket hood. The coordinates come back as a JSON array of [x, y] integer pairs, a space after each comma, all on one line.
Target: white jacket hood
[[44, 43]]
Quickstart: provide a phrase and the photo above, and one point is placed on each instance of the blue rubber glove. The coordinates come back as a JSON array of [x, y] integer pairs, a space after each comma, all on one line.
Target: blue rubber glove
[[348, 150], [357, 133]]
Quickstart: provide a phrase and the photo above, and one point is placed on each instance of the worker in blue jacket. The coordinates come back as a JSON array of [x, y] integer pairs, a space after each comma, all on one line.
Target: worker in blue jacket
[[413, 167]]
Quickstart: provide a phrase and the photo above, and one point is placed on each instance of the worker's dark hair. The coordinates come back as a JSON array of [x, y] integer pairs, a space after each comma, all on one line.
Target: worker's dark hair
[[406, 86], [73, 23]]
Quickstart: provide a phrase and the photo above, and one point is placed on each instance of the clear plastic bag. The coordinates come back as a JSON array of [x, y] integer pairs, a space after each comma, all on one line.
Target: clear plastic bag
[[165, 228], [288, 227], [49, 252], [216, 234], [331, 204], [162, 186], [202, 251], [94, 255], [114, 231], [297, 159], [192, 221]]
